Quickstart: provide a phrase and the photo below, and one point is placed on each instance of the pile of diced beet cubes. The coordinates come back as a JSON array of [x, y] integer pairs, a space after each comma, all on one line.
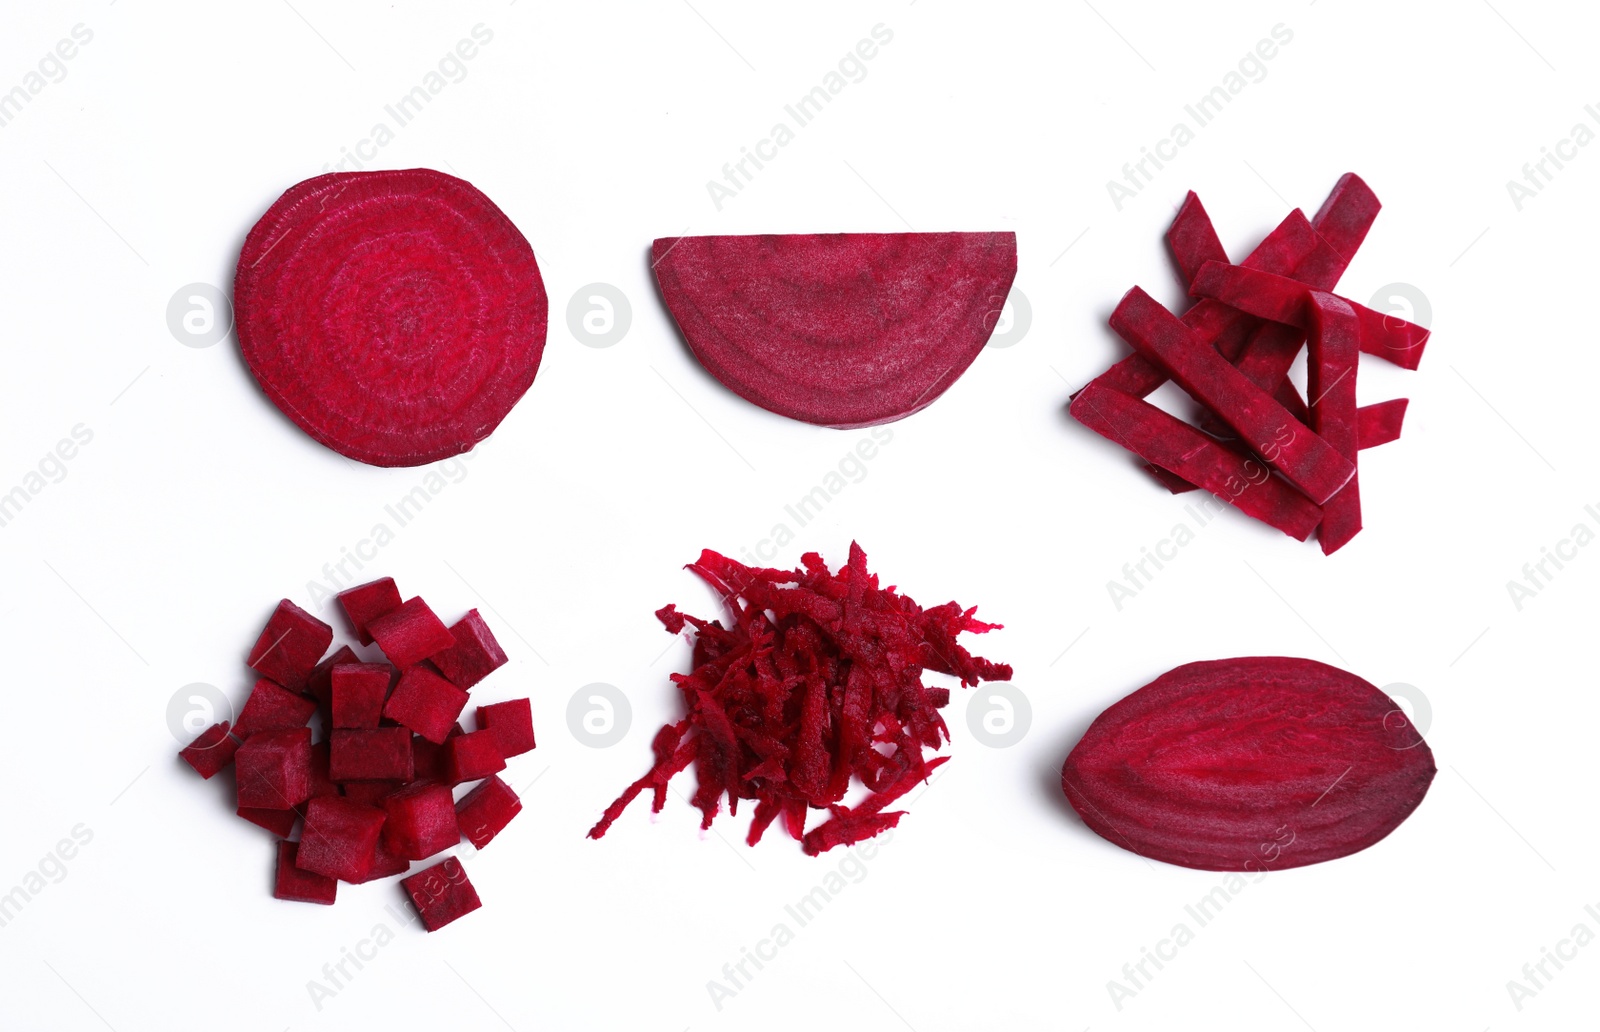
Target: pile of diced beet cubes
[[378, 790], [1285, 458]]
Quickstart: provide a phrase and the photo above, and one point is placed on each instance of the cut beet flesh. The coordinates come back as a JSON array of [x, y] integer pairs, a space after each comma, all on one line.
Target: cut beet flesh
[[512, 724], [370, 754], [211, 751], [370, 793], [1304, 459], [816, 684], [320, 684], [339, 838], [1193, 239], [366, 602], [290, 646], [1283, 299], [1331, 381], [473, 756], [1380, 423], [485, 811], [426, 763], [426, 703], [274, 769], [385, 864], [358, 693], [272, 708], [1284, 247], [1249, 765], [1236, 360], [279, 822], [373, 794], [1172, 444], [321, 783], [841, 329], [410, 634], [441, 894], [394, 316], [473, 655], [421, 821], [301, 886]]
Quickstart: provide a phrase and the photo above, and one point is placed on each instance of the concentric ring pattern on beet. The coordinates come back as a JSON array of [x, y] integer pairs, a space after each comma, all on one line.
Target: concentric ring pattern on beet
[[839, 329], [396, 317]]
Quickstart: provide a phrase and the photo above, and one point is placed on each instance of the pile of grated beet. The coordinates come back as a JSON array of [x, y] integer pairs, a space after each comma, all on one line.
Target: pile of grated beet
[[816, 683]]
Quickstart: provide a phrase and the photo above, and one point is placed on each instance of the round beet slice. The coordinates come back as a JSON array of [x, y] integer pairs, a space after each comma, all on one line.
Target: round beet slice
[[840, 329], [394, 316]]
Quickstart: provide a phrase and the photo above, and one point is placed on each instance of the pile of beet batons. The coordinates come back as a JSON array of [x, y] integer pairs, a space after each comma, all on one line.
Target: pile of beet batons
[[1260, 446]]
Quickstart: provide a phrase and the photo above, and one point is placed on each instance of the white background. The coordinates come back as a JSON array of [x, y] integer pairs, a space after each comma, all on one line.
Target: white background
[[154, 562]]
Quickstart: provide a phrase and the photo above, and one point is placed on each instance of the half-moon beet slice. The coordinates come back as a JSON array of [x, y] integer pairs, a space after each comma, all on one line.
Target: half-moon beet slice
[[839, 329], [394, 316]]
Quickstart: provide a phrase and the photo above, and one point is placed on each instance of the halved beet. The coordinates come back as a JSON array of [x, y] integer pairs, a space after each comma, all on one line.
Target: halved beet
[[396, 317], [1253, 764], [839, 329]]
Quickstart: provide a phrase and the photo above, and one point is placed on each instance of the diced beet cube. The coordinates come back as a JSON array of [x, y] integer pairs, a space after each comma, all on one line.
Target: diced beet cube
[[441, 894], [487, 809], [279, 822], [297, 884], [370, 793], [290, 646], [272, 708], [385, 864], [410, 634], [320, 684], [367, 602], [472, 756], [426, 703], [475, 654], [274, 769], [421, 821], [358, 693], [321, 783], [426, 762], [512, 724], [211, 750], [340, 838], [370, 754]]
